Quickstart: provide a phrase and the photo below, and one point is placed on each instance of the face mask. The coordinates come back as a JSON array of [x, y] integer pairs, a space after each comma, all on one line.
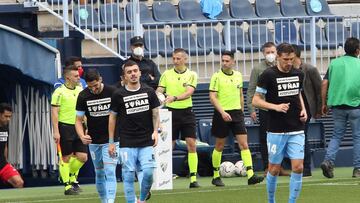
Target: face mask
[[81, 71], [138, 51], [270, 58]]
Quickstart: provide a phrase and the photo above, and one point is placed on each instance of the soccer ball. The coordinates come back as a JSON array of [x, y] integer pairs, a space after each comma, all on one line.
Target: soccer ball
[[240, 169], [227, 169]]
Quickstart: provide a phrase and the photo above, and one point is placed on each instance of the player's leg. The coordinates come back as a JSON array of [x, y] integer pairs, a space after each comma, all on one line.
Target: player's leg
[[295, 151], [97, 159], [129, 158], [146, 159], [110, 171], [79, 160], [9, 174], [276, 150]]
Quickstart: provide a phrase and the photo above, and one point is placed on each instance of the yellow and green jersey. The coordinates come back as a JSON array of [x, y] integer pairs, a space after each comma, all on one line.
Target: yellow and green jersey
[[227, 88], [65, 99], [176, 84]]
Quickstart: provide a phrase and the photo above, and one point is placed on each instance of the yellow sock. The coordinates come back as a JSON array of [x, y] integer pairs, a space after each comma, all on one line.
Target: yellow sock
[[193, 164], [74, 165], [64, 173], [246, 157], [216, 160]]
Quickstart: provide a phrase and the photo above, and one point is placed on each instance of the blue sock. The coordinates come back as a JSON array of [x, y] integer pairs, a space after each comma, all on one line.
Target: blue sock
[[295, 186], [128, 180], [146, 182], [110, 180], [100, 183], [140, 176], [271, 182]]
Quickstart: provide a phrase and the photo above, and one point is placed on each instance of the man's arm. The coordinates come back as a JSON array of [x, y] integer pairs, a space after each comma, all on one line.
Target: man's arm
[[259, 102], [242, 99], [156, 122], [55, 122], [324, 89], [303, 114], [316, 81], [111, 128], [251, 91], [215, 102], [86, 139], [189, 91]]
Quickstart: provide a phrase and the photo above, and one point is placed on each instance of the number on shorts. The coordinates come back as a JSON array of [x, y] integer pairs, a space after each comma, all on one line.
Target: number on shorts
[[272, 148]]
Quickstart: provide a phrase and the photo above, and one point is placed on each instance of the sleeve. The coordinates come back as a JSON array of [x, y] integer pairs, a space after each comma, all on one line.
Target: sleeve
[[162, 81], [155, 73], [263, 83], [214, 83], [153, 99], [114, 107], [326, 77], [56, 97], [193, 80], [80, 103], [316, 81], [241, 84], [301, 77], [251, 89]]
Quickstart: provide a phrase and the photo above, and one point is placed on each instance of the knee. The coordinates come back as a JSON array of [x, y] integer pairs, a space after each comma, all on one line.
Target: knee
[[128, 176], [110, 169], [243, 146], [274, 169], [82, 157], [148, 172], [191, 146], [19, 184], [298, 168], [219, 147]]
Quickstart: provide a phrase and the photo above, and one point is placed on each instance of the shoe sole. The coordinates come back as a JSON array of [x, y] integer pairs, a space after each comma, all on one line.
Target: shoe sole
[[325, 171]]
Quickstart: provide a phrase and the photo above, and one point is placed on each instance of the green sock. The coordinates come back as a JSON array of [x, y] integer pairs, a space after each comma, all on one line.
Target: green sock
[[64, 173], [216, 160], [246, 157], [193, 163], [74, 165]]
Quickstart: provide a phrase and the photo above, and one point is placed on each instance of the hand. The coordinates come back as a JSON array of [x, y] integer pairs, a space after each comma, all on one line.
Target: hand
[[154, 137], [86, 139], [169, 99], [226, 117], [282, 107], [324, 109], [253, 116], [303, 116], [112, 150], [56, 137], [318, 115]]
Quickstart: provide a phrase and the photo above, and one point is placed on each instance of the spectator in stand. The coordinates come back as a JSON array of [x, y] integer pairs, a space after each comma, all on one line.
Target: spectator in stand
[[76, 61]]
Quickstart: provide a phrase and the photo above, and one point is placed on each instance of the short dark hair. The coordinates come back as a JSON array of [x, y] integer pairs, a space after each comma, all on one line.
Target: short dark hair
[[267, 45], [127, 64], [297, 50], [69, 68], [284, 48], [228, 53], [5, 107], [351, 45], [91, 75], [71, 60], [180, 50]]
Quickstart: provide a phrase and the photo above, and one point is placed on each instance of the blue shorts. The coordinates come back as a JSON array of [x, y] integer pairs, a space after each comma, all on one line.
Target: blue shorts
[[132, 158], [282, 145], [100, 154]]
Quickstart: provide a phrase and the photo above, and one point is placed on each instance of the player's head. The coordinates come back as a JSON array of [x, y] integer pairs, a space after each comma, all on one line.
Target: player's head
[[227, 60], [269, 51], [71, 75], [131, 72], [179, 57], [297, 59], [352, 46], [5, 114], [285, 56], [93, 80], [76, 61]]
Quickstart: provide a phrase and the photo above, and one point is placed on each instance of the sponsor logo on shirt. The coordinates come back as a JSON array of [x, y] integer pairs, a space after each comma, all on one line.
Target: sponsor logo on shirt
[[288, 86], [136, 103], [99, 107], [3, 136]]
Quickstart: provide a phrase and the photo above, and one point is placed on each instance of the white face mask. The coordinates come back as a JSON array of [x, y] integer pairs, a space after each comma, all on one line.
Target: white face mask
[[270, 58], [138, 51]]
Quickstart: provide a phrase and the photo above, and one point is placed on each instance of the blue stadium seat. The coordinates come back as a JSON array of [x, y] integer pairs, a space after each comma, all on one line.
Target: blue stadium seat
[[205, 136], [112, 14], [242, 9], [87, 18], [258, 35], [336, 34], [190, 10], [267, 9], [145, 14], [55, 2], [224, 15], [210, 38], [124, 42], [157, 42], [238, 39], [182, 38], [320, 41], [285, 31], [164, 11], [292, 8], [355, 29], [320, 8]]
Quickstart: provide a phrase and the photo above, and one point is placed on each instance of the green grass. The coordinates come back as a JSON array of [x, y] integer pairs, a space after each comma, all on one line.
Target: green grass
[[342, 188]]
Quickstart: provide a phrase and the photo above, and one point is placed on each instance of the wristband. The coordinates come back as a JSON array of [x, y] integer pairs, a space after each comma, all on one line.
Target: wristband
[[175, 98], [111, 140]]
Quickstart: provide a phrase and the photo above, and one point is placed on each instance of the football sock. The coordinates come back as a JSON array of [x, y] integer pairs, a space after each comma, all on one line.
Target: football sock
[[246, 157], [100, 182], [74, 165], [193, 163], [271, 182], [64, 173], [146, 183], [128, 181], [295, 186], [110, 181], [216, 160]]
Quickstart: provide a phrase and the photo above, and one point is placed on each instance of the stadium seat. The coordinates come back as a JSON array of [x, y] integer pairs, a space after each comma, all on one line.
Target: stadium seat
[[355, 29], [124, 42], [87, 18], [267, 9], [210, 38], [205, 136], [145, 14], [157, 42], [292, 8], [238, 39], [55, 2], [285, 31], [224, 15], [190, 10], [242, 10], [336, 33], [112, 14], [164, 11], [320, 40], [258, 35], [320, 8], [77, 1], [182, 38]]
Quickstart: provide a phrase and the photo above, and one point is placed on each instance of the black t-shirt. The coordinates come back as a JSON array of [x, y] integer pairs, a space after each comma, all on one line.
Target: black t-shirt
[[134, 115], [96, 108], [283, 88], [4, 134]]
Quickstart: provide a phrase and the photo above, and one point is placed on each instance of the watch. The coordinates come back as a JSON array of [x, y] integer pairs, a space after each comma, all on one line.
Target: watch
[[175, 98]]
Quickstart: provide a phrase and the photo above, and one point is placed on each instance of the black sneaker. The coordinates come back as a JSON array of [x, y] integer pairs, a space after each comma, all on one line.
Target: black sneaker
[[148, 196], [217, 182], [327, 169], [255, 179], [356, 173], [71, 191], [76, 187], [194, 184], [307, 173]]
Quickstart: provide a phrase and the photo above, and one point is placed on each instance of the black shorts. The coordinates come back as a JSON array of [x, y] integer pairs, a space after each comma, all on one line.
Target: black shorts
[[221, 129], [69, 140], [183, 123]]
